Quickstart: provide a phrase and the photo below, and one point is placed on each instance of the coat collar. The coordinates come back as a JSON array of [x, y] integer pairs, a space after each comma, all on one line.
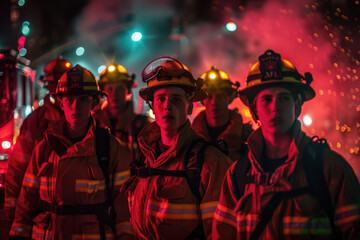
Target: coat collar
[[256, 146], [85, 147], [232, 134], [150, 135]]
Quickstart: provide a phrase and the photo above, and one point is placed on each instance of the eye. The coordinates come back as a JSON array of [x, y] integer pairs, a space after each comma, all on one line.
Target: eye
[[285, 98], [175, 99], [160, 99], [68, 100], [266, 100]]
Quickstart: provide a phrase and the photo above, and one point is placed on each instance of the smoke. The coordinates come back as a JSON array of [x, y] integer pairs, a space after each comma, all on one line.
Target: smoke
[[304, 36], [313, 39]]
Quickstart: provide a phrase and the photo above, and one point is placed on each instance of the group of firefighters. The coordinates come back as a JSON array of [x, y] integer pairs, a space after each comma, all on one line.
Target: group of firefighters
[[84, 170]]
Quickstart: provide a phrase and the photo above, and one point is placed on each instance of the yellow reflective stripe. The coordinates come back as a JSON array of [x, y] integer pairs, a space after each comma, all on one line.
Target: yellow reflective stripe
[[208, 209], [173, 211], [47, 183], [124, 227], [10, 202], [306, 225], [89, 186], [246, 222], [31, 180], [347, 214], [91, 236], [38, 233], [19, 229], [226, 215], [121, 177]]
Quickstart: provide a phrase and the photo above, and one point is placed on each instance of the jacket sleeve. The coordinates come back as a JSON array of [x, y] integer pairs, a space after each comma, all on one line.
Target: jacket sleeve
[[120, 158], [18, 162], [28, 203], [224, 224], [213, 172], [345, 190]]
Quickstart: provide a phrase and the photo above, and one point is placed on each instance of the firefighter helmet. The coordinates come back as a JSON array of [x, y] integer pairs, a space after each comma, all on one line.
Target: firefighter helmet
[[77, 81], [272, 71], [53, 70], [167, 71], [114, 74], [215, 80]]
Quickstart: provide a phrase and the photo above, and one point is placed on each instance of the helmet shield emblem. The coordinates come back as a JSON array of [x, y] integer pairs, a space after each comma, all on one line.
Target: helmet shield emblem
[[75, 81], [270, 66]]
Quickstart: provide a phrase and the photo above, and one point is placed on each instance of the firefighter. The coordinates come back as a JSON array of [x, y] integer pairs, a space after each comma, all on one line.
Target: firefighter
[[217, 121], [117, 112], [67, 193], [165, 201], [31, 133], [296, 187]]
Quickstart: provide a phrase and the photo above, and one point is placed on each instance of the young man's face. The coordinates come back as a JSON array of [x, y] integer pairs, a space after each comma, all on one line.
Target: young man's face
[[170, 108], [77, 110], [117, 93], [216, 107], [275, 108]]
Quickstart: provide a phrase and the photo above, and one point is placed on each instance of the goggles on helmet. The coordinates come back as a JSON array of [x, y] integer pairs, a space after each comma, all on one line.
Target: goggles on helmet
[[168, 65]]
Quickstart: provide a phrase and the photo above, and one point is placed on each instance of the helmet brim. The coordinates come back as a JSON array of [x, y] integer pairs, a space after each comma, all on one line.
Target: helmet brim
[[199, 95], [248, 94], [91, 93]]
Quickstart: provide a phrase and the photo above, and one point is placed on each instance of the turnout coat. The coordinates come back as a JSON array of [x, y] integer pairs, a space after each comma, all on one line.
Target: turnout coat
[[302, 217], [74, 179], [163, 207]]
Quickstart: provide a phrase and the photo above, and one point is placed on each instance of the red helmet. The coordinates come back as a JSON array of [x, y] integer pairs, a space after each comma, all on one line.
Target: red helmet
[[53, 70]]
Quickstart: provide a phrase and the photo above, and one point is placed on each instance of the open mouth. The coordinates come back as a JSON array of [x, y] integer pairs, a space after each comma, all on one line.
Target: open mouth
[[276, 120], [168, 117]]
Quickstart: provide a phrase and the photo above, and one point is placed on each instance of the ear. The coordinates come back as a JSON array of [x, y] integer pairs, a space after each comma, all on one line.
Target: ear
[[190, 108], [297, 108], [253, 113], [60, 103]]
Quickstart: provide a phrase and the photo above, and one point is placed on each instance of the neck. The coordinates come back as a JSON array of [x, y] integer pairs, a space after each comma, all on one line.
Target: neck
[[277, 146], [219, 120], [168, 138], [76, 131]]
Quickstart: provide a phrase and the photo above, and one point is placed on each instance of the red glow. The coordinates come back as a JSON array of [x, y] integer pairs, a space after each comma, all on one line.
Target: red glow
[[21, 40], [6, 144]]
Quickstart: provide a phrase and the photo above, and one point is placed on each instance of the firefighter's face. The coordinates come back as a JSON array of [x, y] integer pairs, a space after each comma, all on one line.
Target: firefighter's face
[[117, 93], [170, 107], [77, 110], [216, 107], [276, 110]]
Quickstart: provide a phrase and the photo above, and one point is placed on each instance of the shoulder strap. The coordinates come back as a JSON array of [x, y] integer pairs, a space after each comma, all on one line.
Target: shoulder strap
[[242, 166], [194, 160], [313, 163], [102, 142]]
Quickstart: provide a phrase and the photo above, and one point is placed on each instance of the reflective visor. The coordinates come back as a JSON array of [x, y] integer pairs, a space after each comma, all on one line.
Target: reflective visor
[[170, 66]]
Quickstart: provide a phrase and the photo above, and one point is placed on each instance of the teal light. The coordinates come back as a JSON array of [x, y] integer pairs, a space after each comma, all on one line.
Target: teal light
[[231, 27], [101, 68], [136, 36], [22, 52], [21, 3], [80, 51]]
